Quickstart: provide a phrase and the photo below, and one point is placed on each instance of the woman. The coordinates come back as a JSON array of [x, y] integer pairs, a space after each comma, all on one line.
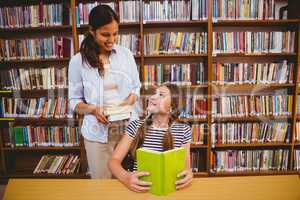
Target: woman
[[158, 132], [102, 74]]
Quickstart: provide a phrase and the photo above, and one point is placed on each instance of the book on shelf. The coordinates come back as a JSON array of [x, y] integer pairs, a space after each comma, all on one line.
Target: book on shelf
[[56, 108], [117, 113], [58, 165], [249, 160], [38, 15], [254, 42], [199, 133], [247, 9], [163, 174], [297, 134], [54, 47], [254, 105], [34, 78], [198, 161], [247, 133], [179, 74], [39, 136], [180, 10], [253, 73], [175, 43], [297, 159], [196, 106]]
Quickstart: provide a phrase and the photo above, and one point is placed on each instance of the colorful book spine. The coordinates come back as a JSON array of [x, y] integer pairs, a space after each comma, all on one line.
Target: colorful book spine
[[199, 133], [247, 133], [297, 159], [195, 107]]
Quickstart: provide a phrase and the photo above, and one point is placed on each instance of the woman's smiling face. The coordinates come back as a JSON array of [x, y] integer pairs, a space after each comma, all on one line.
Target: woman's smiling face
[[160, 102]]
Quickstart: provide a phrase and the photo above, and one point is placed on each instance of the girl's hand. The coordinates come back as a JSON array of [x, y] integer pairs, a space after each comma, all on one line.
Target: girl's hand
[[98, 112], [133, 183], [130, 100], [186, 180]]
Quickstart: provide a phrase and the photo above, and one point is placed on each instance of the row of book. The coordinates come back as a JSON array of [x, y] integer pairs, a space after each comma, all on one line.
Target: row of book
[[245, 106], [253, 73], [199, 133], [298, 105], [254, 42], [249, 160], [58, 164], [180, 10], [198, 161], [131, 41], [297, 160], [247, 133], [35, 107], [175, 42], [179, 74], [35, 136], [195, 107], [128, 11], [34, 78], [34, 16], [246, 9], [38, 48]]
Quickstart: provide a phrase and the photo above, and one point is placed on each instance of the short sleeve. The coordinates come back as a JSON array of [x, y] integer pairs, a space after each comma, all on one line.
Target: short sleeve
[[132, 128], [187, 134]]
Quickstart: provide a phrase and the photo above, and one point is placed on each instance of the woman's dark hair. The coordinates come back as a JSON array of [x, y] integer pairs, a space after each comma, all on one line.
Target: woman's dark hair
[[99, 16], [168, 141]]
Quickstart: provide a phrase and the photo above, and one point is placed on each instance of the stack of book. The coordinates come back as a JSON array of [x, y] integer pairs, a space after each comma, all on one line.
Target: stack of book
[[59, 165], [117, 113]]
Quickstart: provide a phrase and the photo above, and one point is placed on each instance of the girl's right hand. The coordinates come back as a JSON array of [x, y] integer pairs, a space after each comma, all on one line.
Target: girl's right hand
[[133, 183], [98, 112]]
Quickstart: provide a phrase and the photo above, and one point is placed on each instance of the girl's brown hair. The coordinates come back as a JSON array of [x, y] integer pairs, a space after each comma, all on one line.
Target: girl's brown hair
[[168, 141]]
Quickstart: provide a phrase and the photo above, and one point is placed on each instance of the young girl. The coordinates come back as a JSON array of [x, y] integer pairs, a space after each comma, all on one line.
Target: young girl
[[157, 132]]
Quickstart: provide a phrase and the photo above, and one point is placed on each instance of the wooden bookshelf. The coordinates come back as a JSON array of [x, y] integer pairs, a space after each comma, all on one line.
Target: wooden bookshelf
[[210, 25], [35, 93]]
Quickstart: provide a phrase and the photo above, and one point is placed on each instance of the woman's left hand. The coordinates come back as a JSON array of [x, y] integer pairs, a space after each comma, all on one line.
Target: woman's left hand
[[186, 180]]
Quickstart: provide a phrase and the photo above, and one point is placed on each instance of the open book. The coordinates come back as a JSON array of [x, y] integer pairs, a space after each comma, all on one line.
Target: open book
[[116, 113], [163, 168]]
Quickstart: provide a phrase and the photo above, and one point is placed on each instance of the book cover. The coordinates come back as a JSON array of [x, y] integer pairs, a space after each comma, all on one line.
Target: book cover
[[163, 174]]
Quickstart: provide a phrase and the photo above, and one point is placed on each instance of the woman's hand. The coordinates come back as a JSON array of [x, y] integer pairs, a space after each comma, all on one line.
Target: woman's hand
[[186, 180], [133, 183], [130, 100], [98, 112]]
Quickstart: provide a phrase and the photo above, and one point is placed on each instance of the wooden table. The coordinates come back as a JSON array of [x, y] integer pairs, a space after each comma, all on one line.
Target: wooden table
[[253, 187]]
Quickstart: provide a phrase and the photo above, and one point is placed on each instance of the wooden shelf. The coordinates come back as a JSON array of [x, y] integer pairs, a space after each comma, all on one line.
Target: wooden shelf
[[273, 144], [198, 146], [41, 121], [36, 61], [285, 22], [185, 120], [249, 87], [35, 93], [253, 173], [50, 148], [254, 55], [164, 24], [297, 144], [251, 119], [40, 29]]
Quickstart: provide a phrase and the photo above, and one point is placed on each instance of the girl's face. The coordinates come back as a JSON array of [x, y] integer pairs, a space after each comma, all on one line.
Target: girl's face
[[106, 36], [160, 102]]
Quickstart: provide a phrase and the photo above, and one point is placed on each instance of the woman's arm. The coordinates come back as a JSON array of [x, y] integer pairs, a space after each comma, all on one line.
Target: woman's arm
[[187, 174], [84, 108], [129, 179]]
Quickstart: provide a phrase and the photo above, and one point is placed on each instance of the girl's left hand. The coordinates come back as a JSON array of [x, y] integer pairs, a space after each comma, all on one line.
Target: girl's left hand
[[186, 180]]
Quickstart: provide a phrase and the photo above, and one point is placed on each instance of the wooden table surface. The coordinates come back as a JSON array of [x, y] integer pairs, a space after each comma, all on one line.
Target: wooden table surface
[[242, 188]]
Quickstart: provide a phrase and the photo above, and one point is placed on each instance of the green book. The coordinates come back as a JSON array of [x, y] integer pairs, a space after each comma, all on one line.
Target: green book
[[163, 168]]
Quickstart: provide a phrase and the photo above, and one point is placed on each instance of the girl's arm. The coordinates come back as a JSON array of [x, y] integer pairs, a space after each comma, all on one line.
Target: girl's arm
[[187, 174], [129, 179]]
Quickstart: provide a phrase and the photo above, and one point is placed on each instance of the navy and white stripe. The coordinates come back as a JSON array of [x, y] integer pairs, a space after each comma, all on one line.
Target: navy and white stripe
[[181, 133]]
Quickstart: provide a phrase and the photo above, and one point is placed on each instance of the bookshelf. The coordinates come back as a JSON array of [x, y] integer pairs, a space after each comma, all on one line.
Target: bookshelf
[[208, 88]]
